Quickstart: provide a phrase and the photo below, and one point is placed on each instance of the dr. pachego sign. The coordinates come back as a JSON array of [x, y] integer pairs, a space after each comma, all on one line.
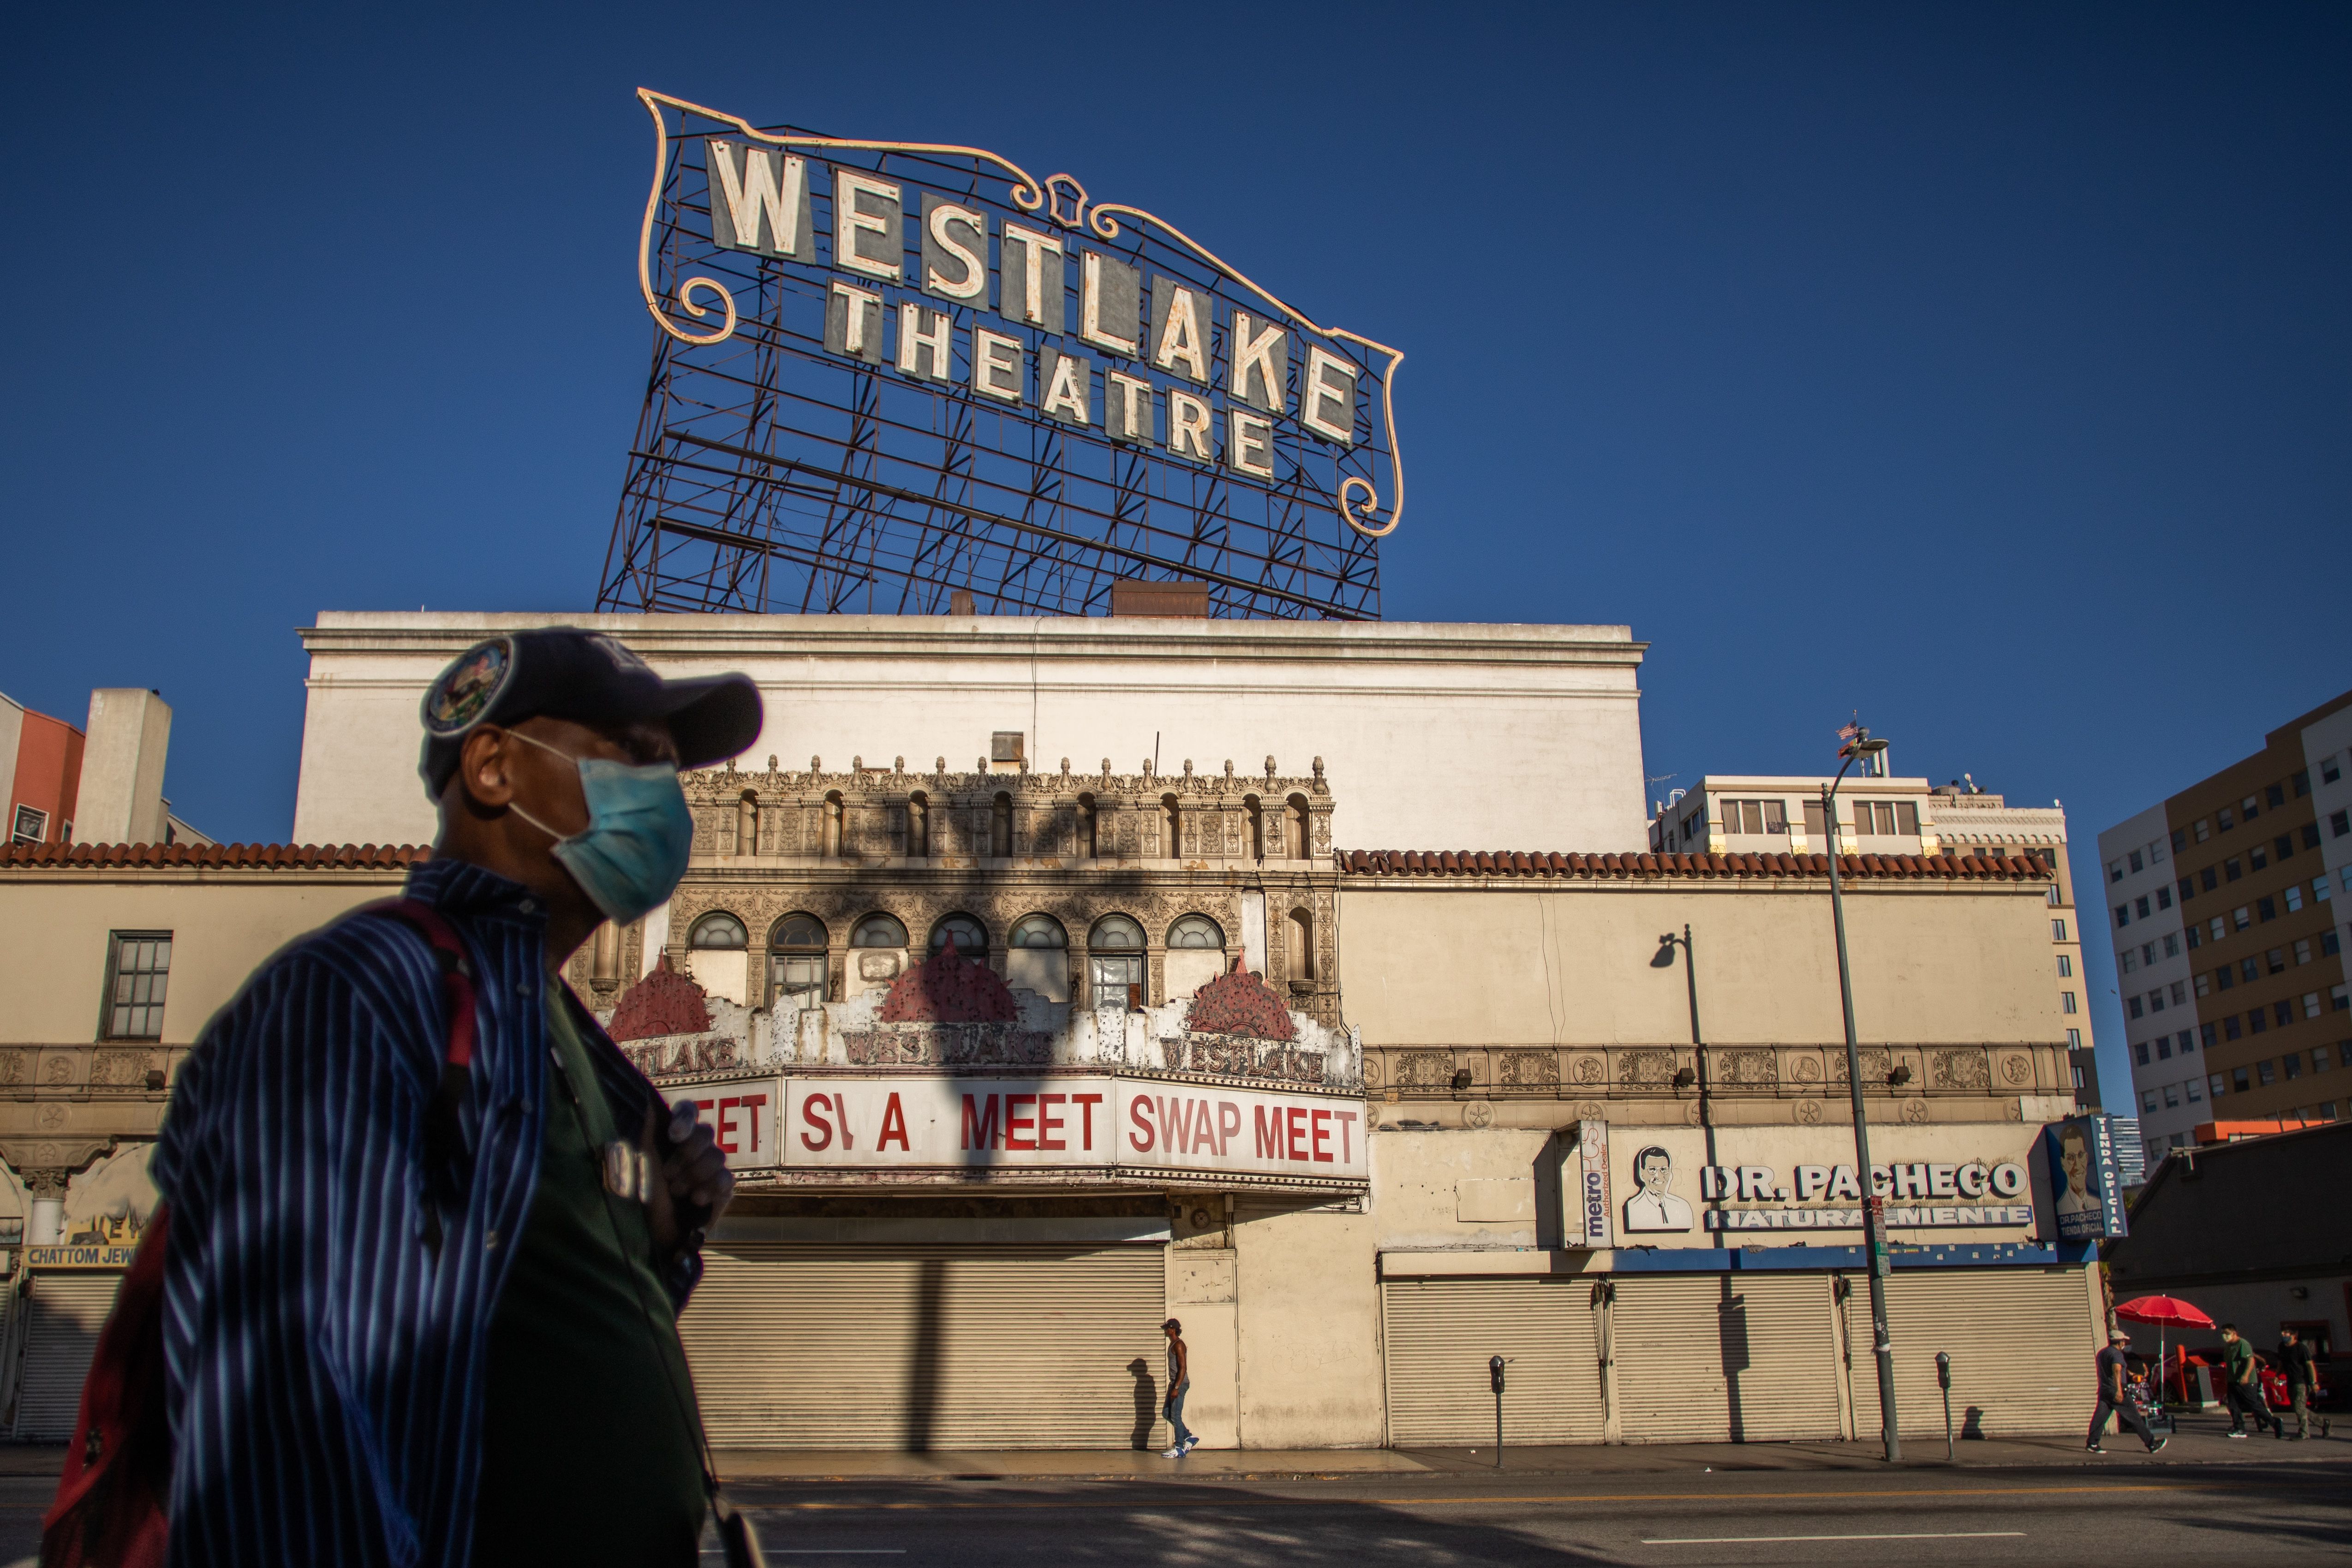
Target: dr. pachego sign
[[1128, 1126]]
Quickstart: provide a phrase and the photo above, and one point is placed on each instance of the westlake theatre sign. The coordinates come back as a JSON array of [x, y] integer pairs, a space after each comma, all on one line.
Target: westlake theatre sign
[[982, 376], [1065, 1127]]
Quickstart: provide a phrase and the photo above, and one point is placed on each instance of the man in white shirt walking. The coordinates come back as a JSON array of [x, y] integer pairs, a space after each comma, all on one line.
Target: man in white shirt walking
[[1180, 1383]]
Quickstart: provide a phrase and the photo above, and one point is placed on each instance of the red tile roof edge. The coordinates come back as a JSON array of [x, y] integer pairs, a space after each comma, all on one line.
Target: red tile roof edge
[[1648, 866], [270, 857]]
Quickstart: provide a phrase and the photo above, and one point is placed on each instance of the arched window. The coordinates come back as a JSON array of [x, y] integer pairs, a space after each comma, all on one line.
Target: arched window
[[1294, 827], [1257, 810], [1088, 821], [833, 825], [797, 965], [918, 825], [1038, 931], [1000, 829], [719, 931], [1114, 962], [970, 937], [1171, 828], [1302, 945], [879, 930], [1037, 958], [1196, 931]]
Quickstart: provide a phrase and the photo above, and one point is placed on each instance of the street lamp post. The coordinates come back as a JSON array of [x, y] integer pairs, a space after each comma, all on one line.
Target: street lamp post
[[1858, 745]]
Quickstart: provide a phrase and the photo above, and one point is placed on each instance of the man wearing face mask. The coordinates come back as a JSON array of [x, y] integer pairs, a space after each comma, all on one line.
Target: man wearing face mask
[[421, 1313]]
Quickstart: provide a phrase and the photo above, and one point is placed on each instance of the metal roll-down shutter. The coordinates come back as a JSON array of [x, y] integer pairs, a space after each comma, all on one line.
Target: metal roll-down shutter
[[1714, 1358], [2021, 1341], [64, 1315], [799, 1346], [1440, 1333]]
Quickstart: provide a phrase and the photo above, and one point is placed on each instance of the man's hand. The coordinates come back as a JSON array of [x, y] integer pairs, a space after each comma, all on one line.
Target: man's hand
[[695, 1185]]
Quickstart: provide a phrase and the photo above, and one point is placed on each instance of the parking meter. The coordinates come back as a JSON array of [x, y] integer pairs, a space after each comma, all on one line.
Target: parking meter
[[1494, 1372], [1944, 1382], [1494, 1376]]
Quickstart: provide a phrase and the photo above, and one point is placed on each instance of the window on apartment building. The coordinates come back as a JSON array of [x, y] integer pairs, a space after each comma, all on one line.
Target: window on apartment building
[[2179, 993], [2114, 871], [2053, 896], [2310, 1004], [2155, 852], [2187, 1042], [2231, 869], [2171, 1096], [2140, 1053], [2292, 1063], [31, 825], [2276, 960], [2073, 1039], [2223, 820], [2078, 1080], [2257, 1020], [2242, 916], [2231, 1027], [2129, 959], [2216, 1085], [2319, 1058], [2139, 907], [2339, 1000], [2164, 898], [2057, 931], [2293, 896], [2164, 1048], [2327, 943], [2257, 858], [2133, 1004], [2065, 966], [2267, 1072], [2283, 847], [2123, 916], [1755, 815], [2207, 880], [2148, 1099], [2247, 969], [2267, 908], [2218, 928], [2248, 809], [138, 969], [2066, 1001], [2339, 823], [2329, 772], [2172, 944], [2301, 782], [2310, 835], [2275, 794], [2134, 858], [2225, 976], [2186, 888], [2179, 840], [2204, 986], [2201, 828], [2188, 1086], [2155, 1000], [2196, 934], [1887, 818], [2205, 1032]]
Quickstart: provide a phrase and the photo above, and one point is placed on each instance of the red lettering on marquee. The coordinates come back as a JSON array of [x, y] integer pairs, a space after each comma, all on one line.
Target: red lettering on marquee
[[1269, 1132], [1322, 1134], [893, 1125], [1294, 1124], [981, 1131], [1086, 1103], [1347, 1120], [812, 1108], [1020, 1131], [1229, 1124], [841, 1114], [1049, 1124], [724, 1125], [752, 1103], [1138, 1111]]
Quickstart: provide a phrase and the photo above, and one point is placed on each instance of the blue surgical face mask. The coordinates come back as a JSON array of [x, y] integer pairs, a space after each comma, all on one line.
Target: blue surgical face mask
[[632, 854]]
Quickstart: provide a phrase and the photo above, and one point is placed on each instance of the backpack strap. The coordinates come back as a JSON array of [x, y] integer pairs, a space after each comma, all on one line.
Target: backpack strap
[[444, 1141]]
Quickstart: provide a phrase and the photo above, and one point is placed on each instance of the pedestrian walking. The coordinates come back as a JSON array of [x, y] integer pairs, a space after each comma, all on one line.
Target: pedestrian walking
[[2295, 1360], [2244, 1392], [1180, 1383], [2115, 1398], [425, 1258]]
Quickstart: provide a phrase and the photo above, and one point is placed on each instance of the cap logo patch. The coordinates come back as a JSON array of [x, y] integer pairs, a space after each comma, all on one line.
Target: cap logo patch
[[466, 689], [623, 659]]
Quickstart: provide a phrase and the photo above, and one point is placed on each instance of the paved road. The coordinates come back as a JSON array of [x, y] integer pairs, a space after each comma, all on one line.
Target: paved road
[[2188, 1513], [2182, 1513]]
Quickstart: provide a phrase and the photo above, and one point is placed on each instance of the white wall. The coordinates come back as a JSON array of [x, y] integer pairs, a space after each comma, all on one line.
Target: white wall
[[2149, 834], [121, 796], [1435, 736]]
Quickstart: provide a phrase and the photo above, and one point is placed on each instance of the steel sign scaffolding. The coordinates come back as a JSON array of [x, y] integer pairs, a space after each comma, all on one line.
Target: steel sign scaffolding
[[785, 461]]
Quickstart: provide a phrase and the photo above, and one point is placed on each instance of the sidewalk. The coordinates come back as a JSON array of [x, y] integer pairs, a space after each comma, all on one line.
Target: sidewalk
[[2199, 1440]]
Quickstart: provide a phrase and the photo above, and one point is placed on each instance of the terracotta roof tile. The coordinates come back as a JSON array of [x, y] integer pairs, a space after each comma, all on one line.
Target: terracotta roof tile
[[1620, 867], [356, 857]]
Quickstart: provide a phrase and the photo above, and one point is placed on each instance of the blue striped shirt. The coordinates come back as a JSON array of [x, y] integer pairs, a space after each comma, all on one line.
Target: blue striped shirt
[[326, 1365]]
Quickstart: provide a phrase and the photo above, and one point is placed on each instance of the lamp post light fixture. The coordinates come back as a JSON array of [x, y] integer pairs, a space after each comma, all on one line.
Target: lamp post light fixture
[[1665, 959], [1858, 745]]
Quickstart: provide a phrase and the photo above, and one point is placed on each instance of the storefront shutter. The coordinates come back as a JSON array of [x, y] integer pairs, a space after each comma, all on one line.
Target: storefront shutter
[[64, 1315], [929, 1347], [2021, 1341], [1725, 1357], [1440, 1333]]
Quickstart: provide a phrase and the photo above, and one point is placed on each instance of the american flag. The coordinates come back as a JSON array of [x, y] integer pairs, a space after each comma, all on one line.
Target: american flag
[[1848, 735]]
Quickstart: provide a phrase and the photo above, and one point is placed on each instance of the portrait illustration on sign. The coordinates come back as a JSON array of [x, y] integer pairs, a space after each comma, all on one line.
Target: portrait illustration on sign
[[1655, 1206]]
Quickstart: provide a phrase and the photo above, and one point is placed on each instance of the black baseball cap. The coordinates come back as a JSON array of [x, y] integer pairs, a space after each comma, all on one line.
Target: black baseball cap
[[565, 672]]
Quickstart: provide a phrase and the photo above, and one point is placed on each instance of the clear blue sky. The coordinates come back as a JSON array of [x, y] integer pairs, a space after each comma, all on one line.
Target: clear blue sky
[[1981, 367]]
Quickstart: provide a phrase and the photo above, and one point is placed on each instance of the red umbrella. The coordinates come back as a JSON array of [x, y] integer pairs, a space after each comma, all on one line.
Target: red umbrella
[[2163, 1312]]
